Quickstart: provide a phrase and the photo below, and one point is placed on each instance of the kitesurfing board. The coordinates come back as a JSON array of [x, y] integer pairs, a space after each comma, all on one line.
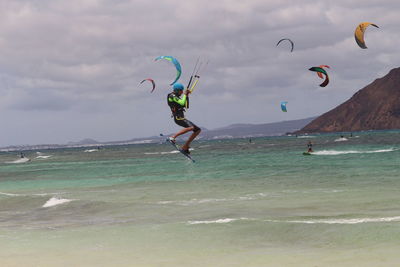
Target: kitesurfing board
[[307, 153], [180, 150]]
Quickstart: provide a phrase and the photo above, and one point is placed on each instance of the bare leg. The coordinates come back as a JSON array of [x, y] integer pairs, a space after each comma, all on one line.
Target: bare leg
[[190, 139], [183, 131]]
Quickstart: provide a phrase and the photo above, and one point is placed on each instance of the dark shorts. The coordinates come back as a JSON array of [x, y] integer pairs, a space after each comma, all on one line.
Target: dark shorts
[[186, 124]]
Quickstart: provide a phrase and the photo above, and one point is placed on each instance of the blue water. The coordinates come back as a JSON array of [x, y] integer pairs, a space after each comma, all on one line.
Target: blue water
[[240, 204]]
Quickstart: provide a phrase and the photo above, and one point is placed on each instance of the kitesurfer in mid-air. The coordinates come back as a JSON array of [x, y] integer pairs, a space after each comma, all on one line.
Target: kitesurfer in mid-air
[[177, 101]]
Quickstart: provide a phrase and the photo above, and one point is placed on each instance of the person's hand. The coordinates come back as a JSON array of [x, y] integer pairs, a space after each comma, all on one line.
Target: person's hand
[[187, 92]]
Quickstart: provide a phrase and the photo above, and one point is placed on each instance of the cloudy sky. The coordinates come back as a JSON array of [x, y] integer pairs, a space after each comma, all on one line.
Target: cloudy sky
[[70, 69]]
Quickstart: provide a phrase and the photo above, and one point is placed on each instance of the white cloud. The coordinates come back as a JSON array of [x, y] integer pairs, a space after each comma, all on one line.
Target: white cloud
[[87, 57]]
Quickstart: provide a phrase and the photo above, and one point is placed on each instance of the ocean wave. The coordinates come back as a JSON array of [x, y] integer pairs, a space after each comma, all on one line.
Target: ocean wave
[[43, 157], [10, 194], [343, 152], [306, 136], [196, 201], [28, 195], [169, 152], [90, 150], [20, 160], [342, 139], [192, 201], [218, 221], [326, 191], [347, 221], [317, 221], [54, 201], [162, 153], [166, 152]]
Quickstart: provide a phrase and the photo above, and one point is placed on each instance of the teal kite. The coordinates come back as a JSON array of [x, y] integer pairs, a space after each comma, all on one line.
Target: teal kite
[[283, 106], [176, 64]]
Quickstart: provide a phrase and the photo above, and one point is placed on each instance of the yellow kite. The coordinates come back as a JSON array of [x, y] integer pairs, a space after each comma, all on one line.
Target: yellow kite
[[359, 33]]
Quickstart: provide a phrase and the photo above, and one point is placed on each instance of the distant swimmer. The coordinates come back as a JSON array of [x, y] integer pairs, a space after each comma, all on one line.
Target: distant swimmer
[[177, 101], [309, 146]]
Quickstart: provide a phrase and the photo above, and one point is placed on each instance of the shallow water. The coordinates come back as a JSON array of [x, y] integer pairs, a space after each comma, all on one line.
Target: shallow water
[[240, 204]]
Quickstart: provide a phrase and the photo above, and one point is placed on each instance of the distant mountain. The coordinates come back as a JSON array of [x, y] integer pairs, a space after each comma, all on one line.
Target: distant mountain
[[231, 131], [375, 107], [237, 125], [255, 130]]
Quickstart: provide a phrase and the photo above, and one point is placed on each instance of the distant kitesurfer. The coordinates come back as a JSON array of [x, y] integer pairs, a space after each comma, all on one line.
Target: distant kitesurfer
[[22, 155], [309, 146], [177, 101]]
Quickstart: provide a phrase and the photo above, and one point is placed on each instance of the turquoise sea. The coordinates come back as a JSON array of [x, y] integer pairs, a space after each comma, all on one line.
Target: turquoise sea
[[241, 204]]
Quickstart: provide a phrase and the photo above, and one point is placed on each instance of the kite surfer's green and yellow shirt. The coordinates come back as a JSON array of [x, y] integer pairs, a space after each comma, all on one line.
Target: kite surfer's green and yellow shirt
[[177, 105]]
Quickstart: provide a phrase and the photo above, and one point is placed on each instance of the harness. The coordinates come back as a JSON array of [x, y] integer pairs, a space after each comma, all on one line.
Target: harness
[[176, 109]]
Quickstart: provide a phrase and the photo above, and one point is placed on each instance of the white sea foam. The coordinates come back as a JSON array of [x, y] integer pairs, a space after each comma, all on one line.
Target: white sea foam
[[9, 194], [43, 157], [90, 150], [349, 221], [225, 220], [54, 201], [327, 191], [342, 139], [306, 136], [20, 160], [162, 153], [196, 201], [27, 195], [166, 152], [192, 201], [169, 152], [48, 194], [343, 152]]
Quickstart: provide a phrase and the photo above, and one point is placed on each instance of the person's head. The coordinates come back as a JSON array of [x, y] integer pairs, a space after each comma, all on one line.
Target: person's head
[[178, 88]]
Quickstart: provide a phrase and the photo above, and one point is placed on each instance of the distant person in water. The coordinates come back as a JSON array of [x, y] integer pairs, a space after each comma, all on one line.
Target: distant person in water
[[250, 140], [22, 155], [351, 134], [309, 146]]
